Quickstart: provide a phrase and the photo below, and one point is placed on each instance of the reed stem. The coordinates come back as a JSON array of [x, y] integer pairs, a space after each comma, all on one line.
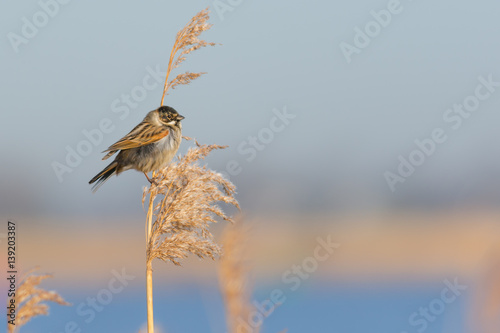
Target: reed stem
[[149, 266], [149, 296]]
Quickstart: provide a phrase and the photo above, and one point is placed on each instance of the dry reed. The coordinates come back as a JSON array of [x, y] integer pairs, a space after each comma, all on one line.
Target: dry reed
[[234, 272], [29, 299], [188, 193], [189, 202], [485, 308], [187, 40], [234, 277]]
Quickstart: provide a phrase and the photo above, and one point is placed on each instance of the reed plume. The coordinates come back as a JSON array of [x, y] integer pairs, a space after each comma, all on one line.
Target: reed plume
[[485, 305], [188, 196], [30, 300], [234, 270], [234, 277], [187, 40]]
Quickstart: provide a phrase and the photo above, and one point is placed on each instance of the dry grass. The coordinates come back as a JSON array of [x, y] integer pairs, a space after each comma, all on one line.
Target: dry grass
[[234, 272], [234, 276], [187, 40], [485, 309], [188, 193], [30, 298], [189, 202]]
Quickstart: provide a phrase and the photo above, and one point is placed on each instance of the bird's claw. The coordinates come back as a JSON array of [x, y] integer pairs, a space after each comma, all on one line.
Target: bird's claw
[[151, 181]]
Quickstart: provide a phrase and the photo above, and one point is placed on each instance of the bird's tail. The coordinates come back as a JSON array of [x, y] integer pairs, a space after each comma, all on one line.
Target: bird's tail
[[102, 176]]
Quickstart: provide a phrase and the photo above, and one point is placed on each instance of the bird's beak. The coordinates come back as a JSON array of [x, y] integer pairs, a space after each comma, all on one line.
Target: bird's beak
[[179, 117]]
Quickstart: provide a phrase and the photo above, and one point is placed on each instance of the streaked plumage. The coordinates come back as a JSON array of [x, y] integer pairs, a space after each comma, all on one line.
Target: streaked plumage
[[149, 146]]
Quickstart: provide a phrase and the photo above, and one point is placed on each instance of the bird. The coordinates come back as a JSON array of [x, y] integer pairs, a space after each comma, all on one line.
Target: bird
[[150, 146]]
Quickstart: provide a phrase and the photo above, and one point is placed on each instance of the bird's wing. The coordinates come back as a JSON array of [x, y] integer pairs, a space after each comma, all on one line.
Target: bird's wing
[[143, 134]]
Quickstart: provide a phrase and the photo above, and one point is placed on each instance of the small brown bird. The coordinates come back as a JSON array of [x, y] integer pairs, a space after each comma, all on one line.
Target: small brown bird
[[149, 146]]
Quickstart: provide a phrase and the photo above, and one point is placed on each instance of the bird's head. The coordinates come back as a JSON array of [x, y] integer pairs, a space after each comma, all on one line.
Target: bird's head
[[169, 116]]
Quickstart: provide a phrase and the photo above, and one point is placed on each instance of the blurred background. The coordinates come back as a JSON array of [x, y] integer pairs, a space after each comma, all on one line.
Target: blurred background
[[370, 123]]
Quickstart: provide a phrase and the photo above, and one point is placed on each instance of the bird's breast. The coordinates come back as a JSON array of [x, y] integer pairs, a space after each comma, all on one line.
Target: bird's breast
[[157, 155]]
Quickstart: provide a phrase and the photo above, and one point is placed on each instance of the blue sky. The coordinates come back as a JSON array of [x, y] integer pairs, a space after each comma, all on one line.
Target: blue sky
[[352, 120]]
